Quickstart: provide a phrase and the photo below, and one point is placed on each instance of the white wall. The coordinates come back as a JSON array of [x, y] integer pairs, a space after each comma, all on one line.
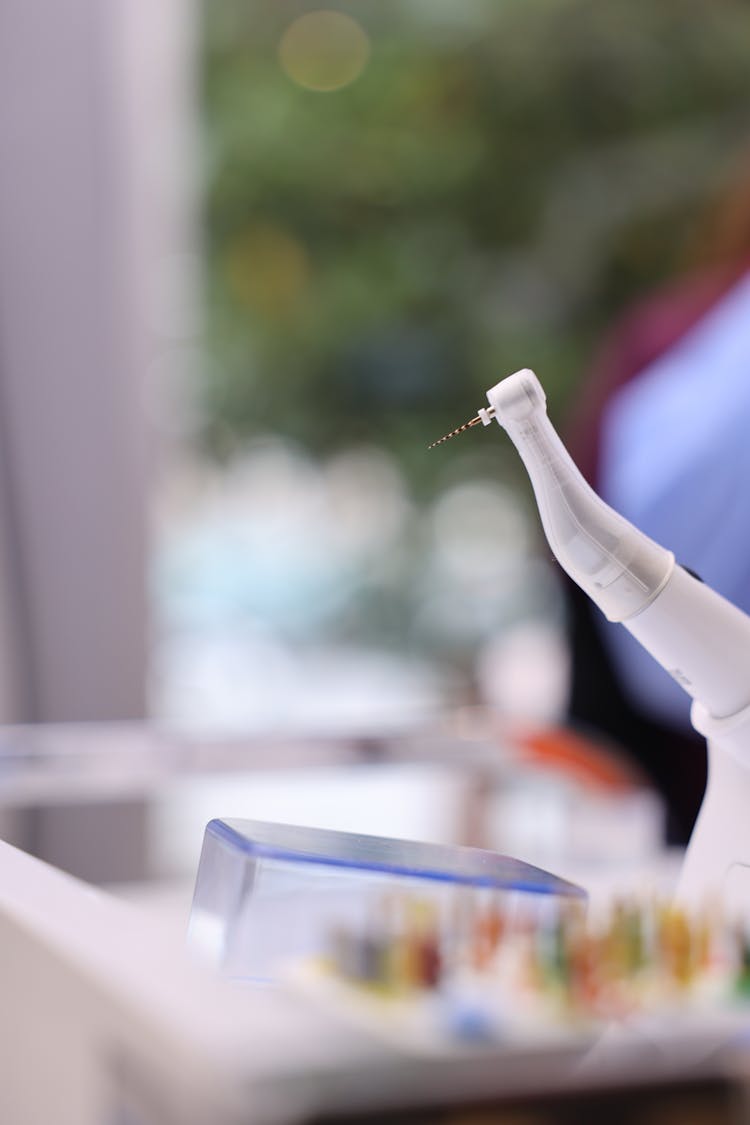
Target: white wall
[[94, 209]]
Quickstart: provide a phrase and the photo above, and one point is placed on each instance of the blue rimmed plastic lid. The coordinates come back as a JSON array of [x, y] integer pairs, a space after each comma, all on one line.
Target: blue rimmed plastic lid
[[405, 858]]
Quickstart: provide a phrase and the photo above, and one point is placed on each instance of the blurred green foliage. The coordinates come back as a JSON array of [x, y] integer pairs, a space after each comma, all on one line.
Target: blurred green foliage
[[501, 178]]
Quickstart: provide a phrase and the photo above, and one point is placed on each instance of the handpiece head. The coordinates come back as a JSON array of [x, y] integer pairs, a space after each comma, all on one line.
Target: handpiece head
[[514, 398], [517, 397]]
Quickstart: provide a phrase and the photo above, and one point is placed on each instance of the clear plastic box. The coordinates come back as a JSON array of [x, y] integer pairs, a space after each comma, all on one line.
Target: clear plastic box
[[267, 894]]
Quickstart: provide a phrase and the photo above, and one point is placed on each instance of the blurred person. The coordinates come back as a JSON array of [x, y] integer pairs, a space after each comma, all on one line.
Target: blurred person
[[662, 433]]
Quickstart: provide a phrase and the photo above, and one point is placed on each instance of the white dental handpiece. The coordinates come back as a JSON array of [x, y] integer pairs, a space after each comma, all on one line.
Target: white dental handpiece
[[697, 635], [701, 639]]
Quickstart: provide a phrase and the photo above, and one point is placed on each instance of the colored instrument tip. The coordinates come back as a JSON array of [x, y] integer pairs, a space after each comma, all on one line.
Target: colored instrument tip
[[483, 416]]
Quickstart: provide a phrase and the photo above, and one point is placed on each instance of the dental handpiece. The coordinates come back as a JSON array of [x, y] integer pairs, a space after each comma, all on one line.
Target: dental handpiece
[[699, 637]]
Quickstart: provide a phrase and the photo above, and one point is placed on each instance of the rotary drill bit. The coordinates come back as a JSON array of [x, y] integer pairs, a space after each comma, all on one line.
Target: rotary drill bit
[[484, 416]]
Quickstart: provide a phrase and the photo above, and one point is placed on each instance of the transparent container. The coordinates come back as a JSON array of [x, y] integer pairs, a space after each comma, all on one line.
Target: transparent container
[[269, 894]]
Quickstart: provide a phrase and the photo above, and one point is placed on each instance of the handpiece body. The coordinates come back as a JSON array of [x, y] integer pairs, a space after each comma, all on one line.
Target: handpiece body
[[698, 636]]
